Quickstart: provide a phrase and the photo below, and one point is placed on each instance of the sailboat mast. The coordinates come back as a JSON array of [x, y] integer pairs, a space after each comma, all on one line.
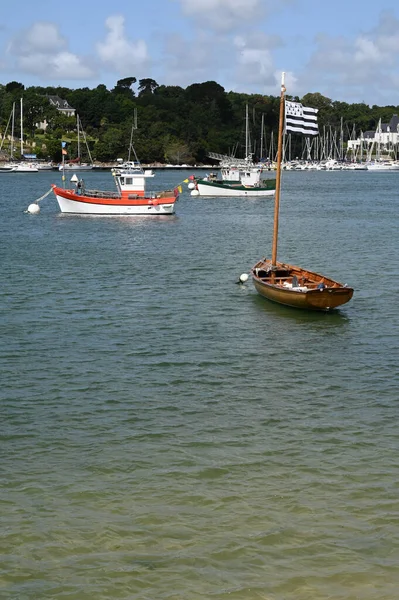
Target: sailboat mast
[[261, 135], [134, 127], [77, 126], [22, 131], [246, 133], [12, 130], [278, 173]]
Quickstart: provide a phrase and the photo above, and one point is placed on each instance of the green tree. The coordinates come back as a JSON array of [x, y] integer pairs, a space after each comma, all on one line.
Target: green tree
[[14, 86], [124, 86], [147, 86], [111, 145], [177, 152]]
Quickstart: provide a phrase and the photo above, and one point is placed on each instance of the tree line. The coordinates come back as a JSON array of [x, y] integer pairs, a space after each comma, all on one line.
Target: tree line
[[175, 125]]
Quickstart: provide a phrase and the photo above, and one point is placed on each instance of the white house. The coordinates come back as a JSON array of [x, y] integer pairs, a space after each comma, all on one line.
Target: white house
[[62, 106], [386, 136]]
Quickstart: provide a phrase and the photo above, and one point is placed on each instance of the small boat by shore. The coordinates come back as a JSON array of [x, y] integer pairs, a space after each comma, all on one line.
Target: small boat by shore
[[130, 197], [383, 166], [7, 168], [23, 167], [70, 166], [280, 282]]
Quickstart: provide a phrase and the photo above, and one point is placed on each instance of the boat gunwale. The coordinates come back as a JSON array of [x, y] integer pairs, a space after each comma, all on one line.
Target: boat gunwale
[[113, 198]]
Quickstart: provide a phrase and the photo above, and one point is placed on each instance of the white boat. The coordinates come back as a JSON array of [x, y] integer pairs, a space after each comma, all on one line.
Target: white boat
[[46, 166], [133, 167], [238, 177], [7, 168], [25, 168], [333, 165], [13, 166], [70, 166], [355, 167], [250, 183], [130, 197], [383, 166]]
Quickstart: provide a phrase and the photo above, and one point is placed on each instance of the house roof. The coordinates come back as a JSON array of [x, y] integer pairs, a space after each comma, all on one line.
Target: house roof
[[391, 127], [59, 103]]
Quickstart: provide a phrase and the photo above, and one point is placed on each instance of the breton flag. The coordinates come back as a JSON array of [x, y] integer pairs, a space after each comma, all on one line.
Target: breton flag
[[301, 119]]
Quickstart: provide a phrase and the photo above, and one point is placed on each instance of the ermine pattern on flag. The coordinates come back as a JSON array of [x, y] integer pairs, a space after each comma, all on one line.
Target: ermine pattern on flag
[[300, 119]]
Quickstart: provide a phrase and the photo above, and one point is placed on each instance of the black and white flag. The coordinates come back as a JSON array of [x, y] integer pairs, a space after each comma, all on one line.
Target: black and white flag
[[301, 119]]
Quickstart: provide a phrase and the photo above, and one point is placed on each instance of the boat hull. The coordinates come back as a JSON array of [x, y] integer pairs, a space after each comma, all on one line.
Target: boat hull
[[214, 189], [382, 167], [70, 202], [75, 167], [313, 292]]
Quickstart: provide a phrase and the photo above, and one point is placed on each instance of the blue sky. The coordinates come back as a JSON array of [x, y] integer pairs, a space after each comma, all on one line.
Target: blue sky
[[348, 50]]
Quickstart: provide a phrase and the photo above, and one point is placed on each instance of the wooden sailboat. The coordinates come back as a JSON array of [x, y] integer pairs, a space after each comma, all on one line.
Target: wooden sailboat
[[288, 284]]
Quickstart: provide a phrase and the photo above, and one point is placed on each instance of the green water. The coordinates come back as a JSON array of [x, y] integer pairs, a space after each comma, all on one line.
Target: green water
[[167, 433]]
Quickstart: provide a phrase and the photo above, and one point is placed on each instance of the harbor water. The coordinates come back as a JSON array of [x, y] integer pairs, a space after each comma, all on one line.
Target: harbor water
[[168, 434]]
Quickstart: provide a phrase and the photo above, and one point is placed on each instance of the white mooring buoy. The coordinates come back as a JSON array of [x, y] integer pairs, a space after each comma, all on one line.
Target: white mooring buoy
[[194, 193], [191, 185], [243, 278], [33, 209]]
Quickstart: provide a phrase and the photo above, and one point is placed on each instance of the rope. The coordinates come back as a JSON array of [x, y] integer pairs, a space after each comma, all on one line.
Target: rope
[[44, 196], [41, 198]]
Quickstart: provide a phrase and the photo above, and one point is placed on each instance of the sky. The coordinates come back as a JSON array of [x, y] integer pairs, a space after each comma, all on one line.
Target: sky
[[347, 50]]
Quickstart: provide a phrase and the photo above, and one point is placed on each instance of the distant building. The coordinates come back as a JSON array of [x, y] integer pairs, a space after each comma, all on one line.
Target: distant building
[[61, 105], [386, 135]]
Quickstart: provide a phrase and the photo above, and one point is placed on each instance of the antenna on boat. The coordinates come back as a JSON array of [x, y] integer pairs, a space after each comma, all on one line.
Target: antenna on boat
[[134, 127]]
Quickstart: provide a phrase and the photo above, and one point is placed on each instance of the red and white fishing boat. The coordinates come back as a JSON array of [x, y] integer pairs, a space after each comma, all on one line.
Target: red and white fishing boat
[[130, 197]]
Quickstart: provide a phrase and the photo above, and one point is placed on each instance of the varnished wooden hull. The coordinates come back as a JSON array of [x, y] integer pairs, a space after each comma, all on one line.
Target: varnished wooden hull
[[313, 292]]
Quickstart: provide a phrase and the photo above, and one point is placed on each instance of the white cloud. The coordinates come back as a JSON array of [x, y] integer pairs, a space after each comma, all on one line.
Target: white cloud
[[63, 65], [41, 50], [254, 60], [224, 14], [241, 63], [120, 53], [341, 67], [187, 61], [367, 52], [43, 37]]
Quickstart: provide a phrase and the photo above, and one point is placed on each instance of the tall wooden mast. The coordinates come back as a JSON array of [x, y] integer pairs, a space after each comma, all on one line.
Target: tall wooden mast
[[278, 174]]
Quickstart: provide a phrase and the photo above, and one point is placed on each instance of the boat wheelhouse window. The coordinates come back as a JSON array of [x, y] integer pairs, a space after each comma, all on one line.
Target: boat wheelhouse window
[[127, 181]]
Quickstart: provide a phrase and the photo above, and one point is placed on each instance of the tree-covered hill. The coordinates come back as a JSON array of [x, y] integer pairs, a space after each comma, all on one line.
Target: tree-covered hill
[[175, 125]]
